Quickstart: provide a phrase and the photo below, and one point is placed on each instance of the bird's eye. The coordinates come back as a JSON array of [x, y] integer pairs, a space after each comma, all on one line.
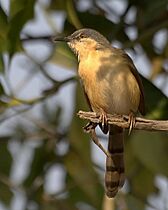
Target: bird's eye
[[82, 36]]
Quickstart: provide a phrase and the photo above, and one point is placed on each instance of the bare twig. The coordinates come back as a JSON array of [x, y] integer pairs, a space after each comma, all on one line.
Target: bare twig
[[122, 121], [90, 128], [38, 38], [9, 183], [108, 203]]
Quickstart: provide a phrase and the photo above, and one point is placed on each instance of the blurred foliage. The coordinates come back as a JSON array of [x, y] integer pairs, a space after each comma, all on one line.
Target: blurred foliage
[[44, 136]]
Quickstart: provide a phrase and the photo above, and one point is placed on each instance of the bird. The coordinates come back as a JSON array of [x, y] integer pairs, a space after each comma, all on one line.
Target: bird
[[112, 85]]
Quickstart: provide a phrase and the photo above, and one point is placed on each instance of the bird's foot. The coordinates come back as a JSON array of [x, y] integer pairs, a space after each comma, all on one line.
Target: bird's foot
[[89, 126], [104, 122], [131, 121]]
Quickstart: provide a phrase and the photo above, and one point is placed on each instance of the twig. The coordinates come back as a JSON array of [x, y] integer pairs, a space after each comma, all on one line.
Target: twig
[[9, 183], [122, 121], [90, 128], [38, 38], [108, 203]]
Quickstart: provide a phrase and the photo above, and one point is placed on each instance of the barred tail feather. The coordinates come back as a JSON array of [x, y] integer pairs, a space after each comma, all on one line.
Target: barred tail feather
[[114, 176]]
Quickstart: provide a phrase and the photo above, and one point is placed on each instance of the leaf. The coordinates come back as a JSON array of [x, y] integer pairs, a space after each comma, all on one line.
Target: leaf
[[51, 116], [2, 91], [6, 194], [3, 31], [156, 102], [37, 168], [140, 178], [20, 12], [1, 63], [157, 67], [90, 20], [59, 204], [78, 162], [143, 183], [5, 168], [63, 56], [58, 5], [16, 6], [101, 24], [134, 203], [150, 148], [3, 22], [5, 157], [72, 14], [153, 11]]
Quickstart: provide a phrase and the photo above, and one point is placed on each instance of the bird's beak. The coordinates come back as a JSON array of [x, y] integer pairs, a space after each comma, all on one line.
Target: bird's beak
[[59, 39]]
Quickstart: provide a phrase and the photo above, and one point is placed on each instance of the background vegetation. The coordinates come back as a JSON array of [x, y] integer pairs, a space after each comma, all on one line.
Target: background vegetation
[[46, 161]]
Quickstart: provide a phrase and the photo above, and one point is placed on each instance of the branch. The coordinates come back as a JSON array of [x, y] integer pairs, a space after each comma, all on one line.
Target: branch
[[122, 121], [108, 203], [36, 38]]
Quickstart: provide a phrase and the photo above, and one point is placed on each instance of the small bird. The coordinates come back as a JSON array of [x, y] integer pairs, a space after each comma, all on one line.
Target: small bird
[[112, 86]]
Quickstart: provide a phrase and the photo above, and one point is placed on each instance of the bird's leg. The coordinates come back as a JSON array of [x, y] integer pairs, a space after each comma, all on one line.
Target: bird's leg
[[131, 121]]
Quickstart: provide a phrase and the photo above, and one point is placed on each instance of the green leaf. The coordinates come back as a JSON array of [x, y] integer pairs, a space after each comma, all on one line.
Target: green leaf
[[37, 166], [3, 22], [63, 56], [5, 194], [17, 6], [1, 63], [5, 156], [59, 204], [134, 203], [51, 116], [152, 10], [72, 14], [3, 30], [143, 182], [139, 176], [150, 148], [59, 5], [5, 168], [20, 12], [1, 90], [156, 102], [43, 155], [98, 22]]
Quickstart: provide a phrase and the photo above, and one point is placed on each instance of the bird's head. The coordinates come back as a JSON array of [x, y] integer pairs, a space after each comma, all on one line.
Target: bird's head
[[85, 40]]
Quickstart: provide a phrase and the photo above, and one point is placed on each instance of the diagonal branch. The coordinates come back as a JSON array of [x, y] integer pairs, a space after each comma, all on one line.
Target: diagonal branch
[[122, 121]]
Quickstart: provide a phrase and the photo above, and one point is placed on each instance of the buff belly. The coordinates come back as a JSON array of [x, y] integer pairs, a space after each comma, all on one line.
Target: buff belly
[[116, 93]]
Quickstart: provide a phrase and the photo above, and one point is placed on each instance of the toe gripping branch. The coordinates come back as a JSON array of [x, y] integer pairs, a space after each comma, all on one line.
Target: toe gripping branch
[[90, 128], [131, 121]]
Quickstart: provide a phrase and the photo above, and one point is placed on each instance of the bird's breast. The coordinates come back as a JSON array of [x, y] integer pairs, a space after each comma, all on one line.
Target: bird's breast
[[109, 85]]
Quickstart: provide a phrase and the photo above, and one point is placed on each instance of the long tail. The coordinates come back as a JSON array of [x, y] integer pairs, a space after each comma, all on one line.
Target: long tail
[[114, 176]]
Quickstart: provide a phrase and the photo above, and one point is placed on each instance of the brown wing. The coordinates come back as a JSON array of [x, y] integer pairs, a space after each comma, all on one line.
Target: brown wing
[[136, 75], [87, 99], [134, 71]]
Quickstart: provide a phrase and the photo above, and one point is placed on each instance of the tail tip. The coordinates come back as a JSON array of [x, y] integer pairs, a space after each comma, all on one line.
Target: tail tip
[[111, 194]]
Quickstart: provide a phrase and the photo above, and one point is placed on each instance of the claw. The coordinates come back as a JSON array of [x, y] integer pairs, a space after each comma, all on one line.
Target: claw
[[104, 122], [131, 121]]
